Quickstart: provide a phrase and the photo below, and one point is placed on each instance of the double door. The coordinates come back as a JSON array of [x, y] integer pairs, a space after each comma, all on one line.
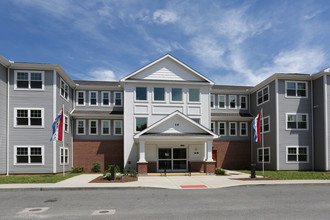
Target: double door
[[173, 159]]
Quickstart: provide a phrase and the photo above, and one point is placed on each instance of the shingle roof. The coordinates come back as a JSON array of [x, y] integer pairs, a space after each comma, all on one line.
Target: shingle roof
[[225, 87], [97, 83], [96, 112]]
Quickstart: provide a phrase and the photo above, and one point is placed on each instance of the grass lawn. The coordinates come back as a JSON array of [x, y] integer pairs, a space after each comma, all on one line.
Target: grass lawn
[[293, 175], [43, 178]]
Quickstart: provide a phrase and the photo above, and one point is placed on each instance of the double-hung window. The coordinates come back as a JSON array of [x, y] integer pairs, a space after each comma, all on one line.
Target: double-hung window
[[105, 98], [263, 95], [243, 101], [176, 95], [296, 89], [93, 127], [193, 95], [64, 90], [212, 126], [93, 98], [80, 98], [64, 155], [265, 155], [232, 101], [232, 128], [105, 127], [118, 99], [296, 154], [141, 94], [222, 128], [66, 124], [244, 128], [264, 124], [118, 127], [29, 155], [29, 117], [80, 127], [222, 101], [296, 121], [29, 80], [212, 100]]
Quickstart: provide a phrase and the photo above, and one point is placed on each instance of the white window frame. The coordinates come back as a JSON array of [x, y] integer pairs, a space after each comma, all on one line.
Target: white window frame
[[102, 133], [89, 126], [225, 128], [147, 94], [29, 117], [212, 99], [246, 102], [171, 97], [29, 79], [102, 98], [297, 150], [68, 124], [121, 127], [212, 123], [225, 106], [262, 124], [246, 128], [235, 101], [29, 155], [77, 98], [97, 98], [199, 96], [229, 130], [65, 86], [296, 129], [121, 99], [77, 128], [66, 155], [296, 97], [135, 122], [262, 90], [258, 154]]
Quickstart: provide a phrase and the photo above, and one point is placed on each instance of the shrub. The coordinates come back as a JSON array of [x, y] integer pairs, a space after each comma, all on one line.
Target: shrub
[[96, 168], [77, 169], [107, 176], [125, 172], [133, 173], [219, 171], [117, 169]]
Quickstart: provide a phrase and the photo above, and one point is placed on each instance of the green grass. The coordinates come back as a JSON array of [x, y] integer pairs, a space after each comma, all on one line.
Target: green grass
[[43, 178], [293, 175]]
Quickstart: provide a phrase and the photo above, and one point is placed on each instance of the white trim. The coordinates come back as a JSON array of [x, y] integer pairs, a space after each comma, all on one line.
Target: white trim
[[235, 123], [66, 155], [29, 117], [212, 99], [68, 123], [326, 135], [246, 128], [297, 151], [296, 83], [246, 102], [135, 131], [109, 123], [263, 101], [277, 128], [260, 148], [225, 104], [29, 80], [77, 97], [65, 85], [225, 128], [171, 100], [212, 123], [296, 129], [29, 155], [121, 99], [77, 127], [97, 98], [235, 101], [263, 126], [102, 98], [90, 126], [199, 96], [121, 127]]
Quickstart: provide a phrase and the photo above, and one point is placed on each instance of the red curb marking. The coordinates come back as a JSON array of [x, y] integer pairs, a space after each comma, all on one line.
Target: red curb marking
[[192, 186]]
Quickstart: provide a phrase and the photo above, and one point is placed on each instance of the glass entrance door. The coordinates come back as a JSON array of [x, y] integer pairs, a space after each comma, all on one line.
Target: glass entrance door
[[174, 159], [179, 158]]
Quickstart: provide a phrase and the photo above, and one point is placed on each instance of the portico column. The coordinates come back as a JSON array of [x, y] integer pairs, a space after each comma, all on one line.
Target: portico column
[[209, 151], [142, 152]]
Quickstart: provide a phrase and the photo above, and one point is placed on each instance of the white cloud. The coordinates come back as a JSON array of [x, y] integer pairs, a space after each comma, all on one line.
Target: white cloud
[[164, 17], [98, 75]]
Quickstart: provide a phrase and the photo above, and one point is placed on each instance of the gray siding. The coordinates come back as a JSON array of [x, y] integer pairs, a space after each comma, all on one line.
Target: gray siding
[[227, 110], [3, 118], [328, 131], [238, 137]]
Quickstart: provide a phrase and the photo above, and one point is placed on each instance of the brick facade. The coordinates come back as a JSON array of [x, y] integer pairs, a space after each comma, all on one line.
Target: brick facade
[[197, 166], [106, 152], [209, 167], [142, 168], [233, 154]]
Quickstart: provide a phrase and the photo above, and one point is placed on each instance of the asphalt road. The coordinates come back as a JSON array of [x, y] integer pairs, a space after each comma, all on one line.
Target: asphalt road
[[247, 202]]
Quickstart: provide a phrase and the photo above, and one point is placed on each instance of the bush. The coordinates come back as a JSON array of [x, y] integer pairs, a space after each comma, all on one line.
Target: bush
[[77, 169], [96, 168], [107, 176], [117, 169], [125, 172], [133, 173], [219, 171]]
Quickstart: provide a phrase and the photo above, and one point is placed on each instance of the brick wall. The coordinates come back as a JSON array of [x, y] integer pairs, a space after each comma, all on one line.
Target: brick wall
[[152, 167], [106, 152], [197, 166], [233, 154]]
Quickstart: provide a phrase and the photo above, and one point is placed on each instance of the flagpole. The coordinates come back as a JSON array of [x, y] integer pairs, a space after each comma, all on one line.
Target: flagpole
[[262, 143], [63, 141]]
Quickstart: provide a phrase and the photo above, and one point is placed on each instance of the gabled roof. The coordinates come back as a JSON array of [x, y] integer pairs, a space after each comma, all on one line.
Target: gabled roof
[[159, 60], [184, 117]]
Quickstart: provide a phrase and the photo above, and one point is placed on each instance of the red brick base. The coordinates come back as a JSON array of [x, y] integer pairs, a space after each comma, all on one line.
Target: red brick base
[[142, 167], [209, 167], [106, 152], [232, 154]]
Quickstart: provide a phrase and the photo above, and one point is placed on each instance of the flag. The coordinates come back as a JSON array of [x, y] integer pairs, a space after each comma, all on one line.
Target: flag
[[58, 127], [256, 126]]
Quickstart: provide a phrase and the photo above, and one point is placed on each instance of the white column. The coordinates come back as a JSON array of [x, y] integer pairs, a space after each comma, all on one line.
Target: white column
[[208, 145], [142, 152]]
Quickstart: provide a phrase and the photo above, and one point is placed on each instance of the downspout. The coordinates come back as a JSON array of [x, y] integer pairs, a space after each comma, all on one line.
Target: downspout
[[7, 160], [312, 120]]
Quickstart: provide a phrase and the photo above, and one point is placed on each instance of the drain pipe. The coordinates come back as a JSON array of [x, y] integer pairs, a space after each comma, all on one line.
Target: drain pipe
[[7, 160]]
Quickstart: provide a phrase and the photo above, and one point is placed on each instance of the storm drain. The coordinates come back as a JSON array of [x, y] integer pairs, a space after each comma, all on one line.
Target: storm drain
[[34, 210], [104, 212]]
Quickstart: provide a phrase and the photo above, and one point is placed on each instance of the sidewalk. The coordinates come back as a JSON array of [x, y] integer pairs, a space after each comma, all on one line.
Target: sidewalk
[[166, 182]]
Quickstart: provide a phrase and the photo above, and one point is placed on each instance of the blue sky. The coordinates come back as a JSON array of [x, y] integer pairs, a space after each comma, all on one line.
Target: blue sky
[[230, 42]]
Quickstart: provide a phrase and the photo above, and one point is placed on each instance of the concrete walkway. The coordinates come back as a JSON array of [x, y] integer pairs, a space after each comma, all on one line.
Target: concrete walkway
[[166, 182]]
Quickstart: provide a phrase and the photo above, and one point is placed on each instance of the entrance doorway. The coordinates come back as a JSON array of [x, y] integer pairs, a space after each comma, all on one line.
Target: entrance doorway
[[173, 159]]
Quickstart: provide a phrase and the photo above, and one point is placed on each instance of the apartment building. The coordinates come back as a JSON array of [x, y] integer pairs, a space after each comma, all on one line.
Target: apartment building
[[164, 116]]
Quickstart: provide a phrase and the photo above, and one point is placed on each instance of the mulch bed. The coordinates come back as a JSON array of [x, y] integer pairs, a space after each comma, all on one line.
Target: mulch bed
[[123, 180], [254, 179]]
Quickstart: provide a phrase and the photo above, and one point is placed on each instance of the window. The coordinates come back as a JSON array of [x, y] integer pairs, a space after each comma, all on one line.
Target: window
[[243, 101], [232, 128], [29, 117], [105, 98], [232, 101], [222, 128], [266, 155], [80, 98], [262, 95], [80, 127], [264, 124], [296, 121], [29, 155], [222, 101], [193, 95], [141, 93], [197, 120], [118, 127], [159, 94], [93, 98], [66, 124], [93, 127], [244, 127], [140, 124], [296, 154], [29, 80], [212, 101], [64, 90], [212, 126], [296, 89], [176, 94], [118, 99], [105, 127], [64, 155]]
